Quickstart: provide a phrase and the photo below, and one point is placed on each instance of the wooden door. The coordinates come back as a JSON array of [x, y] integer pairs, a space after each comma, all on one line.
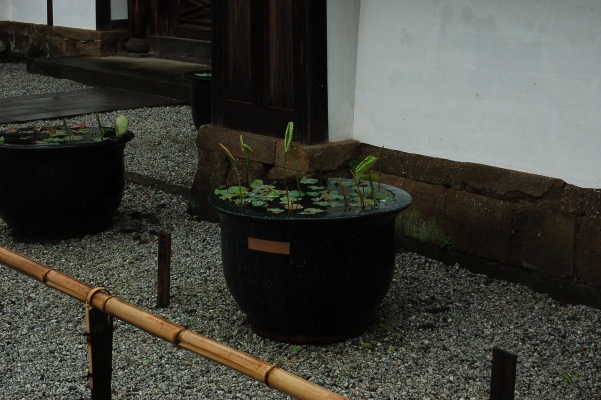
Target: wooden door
[[190, 19], [269, 65]]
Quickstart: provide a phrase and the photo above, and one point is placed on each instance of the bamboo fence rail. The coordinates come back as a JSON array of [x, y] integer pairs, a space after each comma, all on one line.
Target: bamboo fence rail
[[269, 374]]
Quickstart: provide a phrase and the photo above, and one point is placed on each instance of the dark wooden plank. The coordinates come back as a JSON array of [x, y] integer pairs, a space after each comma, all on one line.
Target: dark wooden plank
[[311, 72], [264, 120], [280, 69], [287, 63], [238, 44], [502, 381], [66, 104]]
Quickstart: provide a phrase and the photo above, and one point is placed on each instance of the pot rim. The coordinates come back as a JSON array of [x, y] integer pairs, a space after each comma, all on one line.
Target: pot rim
[[192, 75], [110, 141], [402, 200]]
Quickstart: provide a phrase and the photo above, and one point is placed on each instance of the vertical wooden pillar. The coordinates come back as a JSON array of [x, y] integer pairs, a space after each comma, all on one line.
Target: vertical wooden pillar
[[136, 12], [164, 273], [99, 331]]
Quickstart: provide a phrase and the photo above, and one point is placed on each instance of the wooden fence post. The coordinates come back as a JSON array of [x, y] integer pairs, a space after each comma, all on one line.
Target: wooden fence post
[[502, 381], [164, 274], [99, 332]]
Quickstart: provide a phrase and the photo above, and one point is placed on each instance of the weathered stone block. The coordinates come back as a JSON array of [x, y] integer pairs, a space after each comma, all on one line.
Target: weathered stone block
[[73, 33], [432, 170], [256, 171], [587, 251], [312, 158], [209, 137], [479, 225], [581, 201], [503, 183], [543, 241], [213, 169], [425, 219]]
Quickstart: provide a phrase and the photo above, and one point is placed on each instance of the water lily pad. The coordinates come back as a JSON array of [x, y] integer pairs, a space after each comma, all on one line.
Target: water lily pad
[[313, 194], [256, 183], [308, 181], [258, 203], [313, 187], [275, 210], [322, 203], [293, 206], [336, 204]]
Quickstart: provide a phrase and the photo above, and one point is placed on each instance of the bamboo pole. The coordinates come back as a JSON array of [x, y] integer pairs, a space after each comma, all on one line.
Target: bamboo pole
[[253, 367]]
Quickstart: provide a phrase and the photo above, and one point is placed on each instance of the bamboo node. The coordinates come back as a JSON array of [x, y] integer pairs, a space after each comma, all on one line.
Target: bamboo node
[[177, 337], [93, 292], [44, 277]]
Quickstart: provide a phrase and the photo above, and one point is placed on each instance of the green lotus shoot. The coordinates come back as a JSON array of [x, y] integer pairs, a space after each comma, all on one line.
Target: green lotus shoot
[[233, 163], [246, 150], [121, 124], [361, 173]]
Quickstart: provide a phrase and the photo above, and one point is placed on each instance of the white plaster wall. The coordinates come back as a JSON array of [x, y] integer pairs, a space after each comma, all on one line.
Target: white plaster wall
[[75, 14], [343, 30], [506, 83], [118, 9], [32, 11]]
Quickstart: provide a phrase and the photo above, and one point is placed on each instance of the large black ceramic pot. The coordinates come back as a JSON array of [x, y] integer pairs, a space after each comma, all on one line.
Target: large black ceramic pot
[[200, 101], [309, 278], [60, 191]]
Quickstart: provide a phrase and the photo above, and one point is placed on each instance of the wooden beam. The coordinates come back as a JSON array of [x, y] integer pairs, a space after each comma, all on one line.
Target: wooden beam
[[103, 15], [49, 13]]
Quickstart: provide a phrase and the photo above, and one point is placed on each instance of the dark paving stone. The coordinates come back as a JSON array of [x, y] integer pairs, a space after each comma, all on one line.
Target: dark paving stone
[[77, 102]]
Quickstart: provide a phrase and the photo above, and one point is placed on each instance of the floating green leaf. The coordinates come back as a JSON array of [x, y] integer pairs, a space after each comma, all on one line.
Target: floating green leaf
[[295, 193], [336, 204], [308, 181], [275, 210], [121, 124], [322, 203], [203, 75], [1, 139], [313, 194], [237, 190], [257, 203], [256, 183], [317, 187], [312, 211]]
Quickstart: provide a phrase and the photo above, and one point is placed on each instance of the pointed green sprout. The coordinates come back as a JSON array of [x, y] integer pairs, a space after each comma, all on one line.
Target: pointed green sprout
[[69, 132], [1, 139], [99, 127], [121, 124], [361, 170], [233, 162], [246, 150]]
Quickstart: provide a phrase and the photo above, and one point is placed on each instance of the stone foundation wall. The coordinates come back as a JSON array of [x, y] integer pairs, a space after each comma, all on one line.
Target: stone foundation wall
[[19, 40], [511, 225]]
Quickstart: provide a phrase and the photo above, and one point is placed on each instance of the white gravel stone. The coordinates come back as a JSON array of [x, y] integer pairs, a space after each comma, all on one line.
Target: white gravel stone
[[432, 339]]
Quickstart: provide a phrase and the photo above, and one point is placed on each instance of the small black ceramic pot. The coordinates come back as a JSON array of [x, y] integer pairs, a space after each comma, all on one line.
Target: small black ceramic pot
[[200, 101], [309, 278], [54, 192]]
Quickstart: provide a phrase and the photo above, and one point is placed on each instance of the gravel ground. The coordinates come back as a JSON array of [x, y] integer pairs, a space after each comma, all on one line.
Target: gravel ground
[[164, 147], [432, 337]]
